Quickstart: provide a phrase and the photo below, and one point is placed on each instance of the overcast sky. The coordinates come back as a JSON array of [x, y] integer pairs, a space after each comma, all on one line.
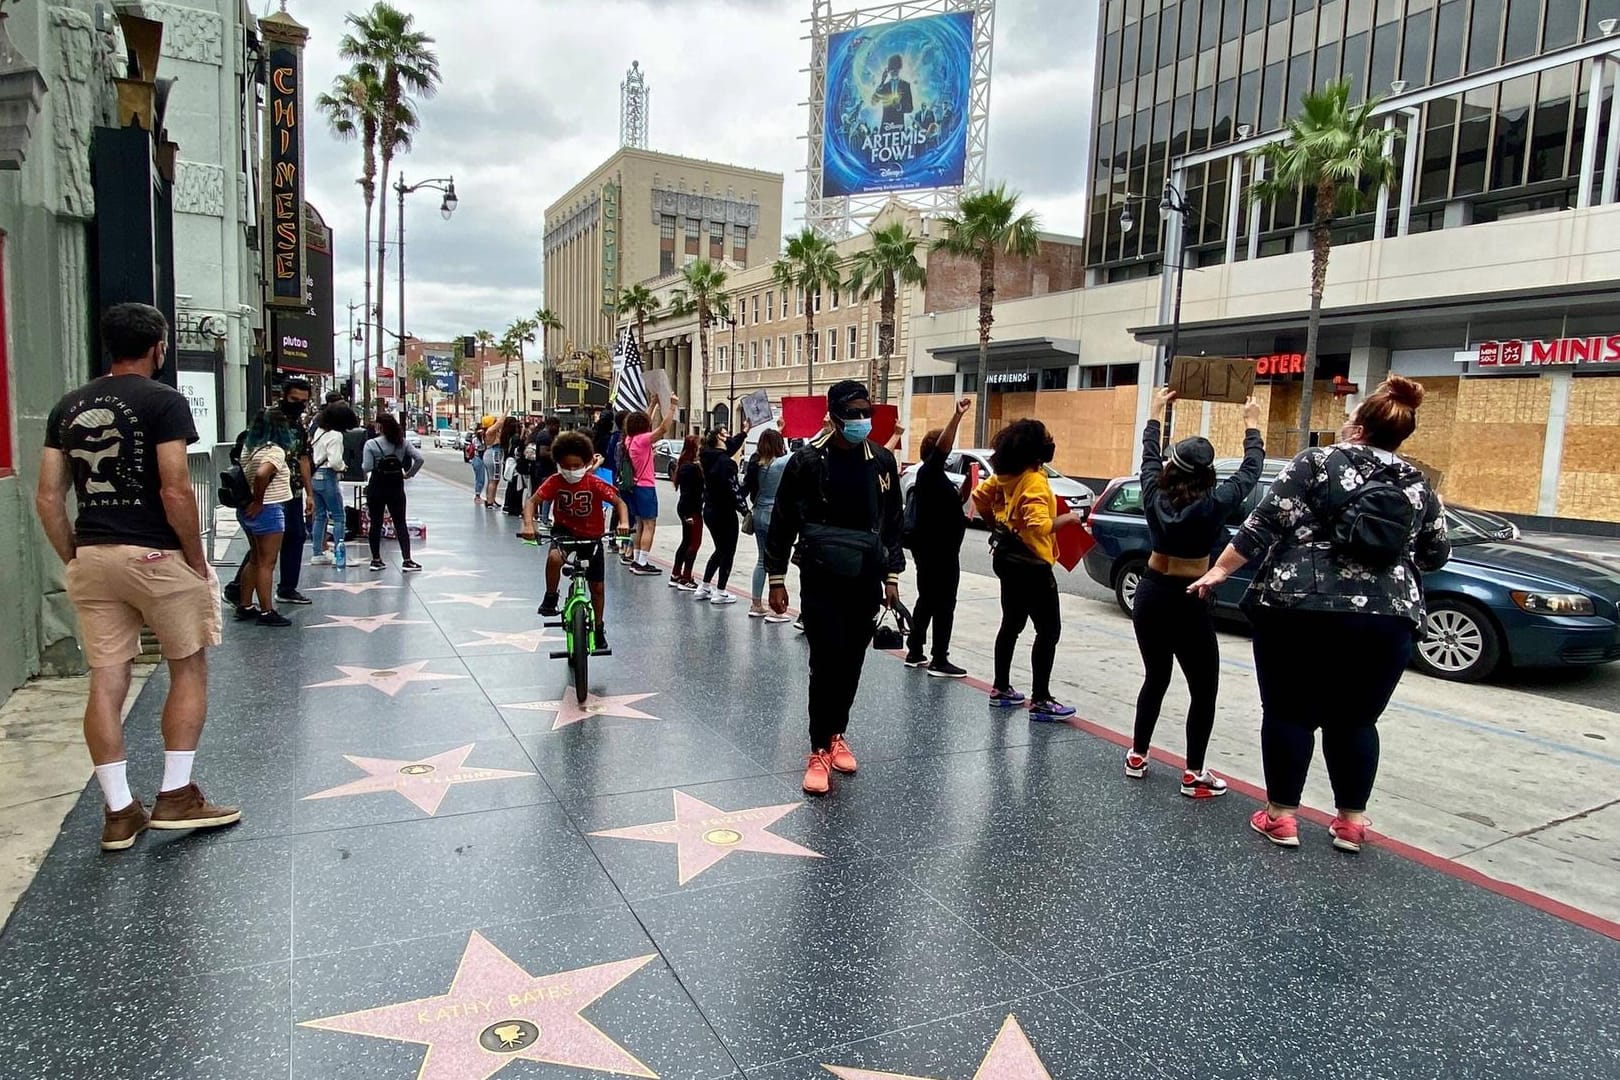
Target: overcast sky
[[530, 104]]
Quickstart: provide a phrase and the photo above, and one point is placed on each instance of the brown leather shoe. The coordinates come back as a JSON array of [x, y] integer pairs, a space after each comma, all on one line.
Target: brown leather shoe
[[122, 826], [185, 808]]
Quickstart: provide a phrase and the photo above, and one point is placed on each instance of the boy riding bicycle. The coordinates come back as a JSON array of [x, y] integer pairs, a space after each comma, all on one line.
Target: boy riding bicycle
[[577, 497]]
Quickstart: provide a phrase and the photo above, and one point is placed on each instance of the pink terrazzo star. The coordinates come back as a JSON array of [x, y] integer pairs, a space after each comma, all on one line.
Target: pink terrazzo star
[[495, 1013], [705, 834], [527, 640], [388, 680], [352, 588], [424, 782], [484, 600], [570, 711], [1011, 1057], [368, 623]]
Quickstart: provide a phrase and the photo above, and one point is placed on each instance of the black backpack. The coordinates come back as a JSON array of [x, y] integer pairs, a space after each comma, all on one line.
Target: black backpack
[[908, 528], [354, 454], [390, 466], [1374, 522], [235, 492]]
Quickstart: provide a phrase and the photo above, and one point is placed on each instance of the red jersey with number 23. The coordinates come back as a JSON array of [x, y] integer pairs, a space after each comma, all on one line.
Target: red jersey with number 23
[[578, 507]]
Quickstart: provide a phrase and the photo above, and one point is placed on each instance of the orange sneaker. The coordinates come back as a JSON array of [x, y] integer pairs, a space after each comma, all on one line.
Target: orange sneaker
[[818, 774], [843, 758]]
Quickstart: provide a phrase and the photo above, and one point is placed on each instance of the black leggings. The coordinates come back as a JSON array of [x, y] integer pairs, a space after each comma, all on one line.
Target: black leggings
[[1028, 593], [723, 529], [1329, 670], [392, 499], [939, 575], [1173, 627], [691, 541]]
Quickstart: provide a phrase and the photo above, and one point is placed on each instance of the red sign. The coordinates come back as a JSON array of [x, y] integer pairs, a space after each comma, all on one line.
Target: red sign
[[1280, 364], [1558, 351], [385, 373], [802, 418]]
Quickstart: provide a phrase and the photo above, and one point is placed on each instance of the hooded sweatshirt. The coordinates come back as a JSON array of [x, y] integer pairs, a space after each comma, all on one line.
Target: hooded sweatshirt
[[1024, 504], [720, 489]]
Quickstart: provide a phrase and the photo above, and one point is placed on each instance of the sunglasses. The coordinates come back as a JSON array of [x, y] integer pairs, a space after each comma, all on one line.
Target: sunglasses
[[857, 414]]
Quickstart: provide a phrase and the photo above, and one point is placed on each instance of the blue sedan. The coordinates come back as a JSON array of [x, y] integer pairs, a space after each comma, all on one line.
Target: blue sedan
[[1499, 601]]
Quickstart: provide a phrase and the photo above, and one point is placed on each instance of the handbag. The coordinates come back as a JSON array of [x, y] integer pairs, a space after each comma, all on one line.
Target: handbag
[[891, 627], [508, 469], [748, 523]]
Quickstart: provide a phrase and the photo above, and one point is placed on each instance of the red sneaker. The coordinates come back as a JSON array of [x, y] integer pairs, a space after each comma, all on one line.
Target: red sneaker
[[1348, 835], [1135, 765], [1202, 785], [843, 758], [818, 775], [1282, 831]]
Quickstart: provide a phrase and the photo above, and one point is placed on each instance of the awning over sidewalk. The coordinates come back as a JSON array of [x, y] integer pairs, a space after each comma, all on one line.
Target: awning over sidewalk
[[1032, 352]]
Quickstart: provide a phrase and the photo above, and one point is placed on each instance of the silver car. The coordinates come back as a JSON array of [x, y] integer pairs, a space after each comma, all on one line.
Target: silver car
[[1071, 495]]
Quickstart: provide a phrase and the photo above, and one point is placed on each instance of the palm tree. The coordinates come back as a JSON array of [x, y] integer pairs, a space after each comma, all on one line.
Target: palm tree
[[545, 321], [637, 301], [1332, 147], [519, 334], [809, 263], [385, 40], [486, 343], [702, 292], [985, 226], [459, 366], [508, 350], [419, 373], [354, 108], [879, 271]]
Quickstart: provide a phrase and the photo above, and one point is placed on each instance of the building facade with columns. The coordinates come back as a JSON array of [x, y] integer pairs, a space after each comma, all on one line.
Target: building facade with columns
[[640, 217]]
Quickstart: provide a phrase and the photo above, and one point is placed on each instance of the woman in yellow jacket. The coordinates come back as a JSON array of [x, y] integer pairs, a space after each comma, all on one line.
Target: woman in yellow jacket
[[1018, 503]]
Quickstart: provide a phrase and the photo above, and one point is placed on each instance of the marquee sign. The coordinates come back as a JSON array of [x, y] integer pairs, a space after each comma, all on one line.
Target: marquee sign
[[284, 161], [610, 249]]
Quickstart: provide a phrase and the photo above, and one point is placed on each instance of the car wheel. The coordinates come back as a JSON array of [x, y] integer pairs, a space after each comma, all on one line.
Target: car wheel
[[1460, 643], [1126, 580]]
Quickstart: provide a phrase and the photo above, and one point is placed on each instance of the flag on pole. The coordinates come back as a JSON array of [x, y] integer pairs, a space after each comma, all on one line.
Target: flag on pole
[[629, 387]]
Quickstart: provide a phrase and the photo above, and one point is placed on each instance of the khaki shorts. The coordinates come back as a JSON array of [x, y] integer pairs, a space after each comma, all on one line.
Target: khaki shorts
[[118, 587]]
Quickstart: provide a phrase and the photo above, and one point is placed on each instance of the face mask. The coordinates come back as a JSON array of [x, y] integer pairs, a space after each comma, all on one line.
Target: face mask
[[858, 430], [573, 476], [293, 409]]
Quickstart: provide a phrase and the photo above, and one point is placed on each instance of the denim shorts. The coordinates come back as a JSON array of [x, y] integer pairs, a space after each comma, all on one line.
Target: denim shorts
[[644, 503], [272, 519]]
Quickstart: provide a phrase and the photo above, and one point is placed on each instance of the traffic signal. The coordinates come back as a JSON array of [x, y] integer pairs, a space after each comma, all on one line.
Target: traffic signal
[[469, 347]]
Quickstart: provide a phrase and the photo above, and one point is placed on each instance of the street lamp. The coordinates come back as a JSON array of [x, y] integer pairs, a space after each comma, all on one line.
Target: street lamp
[[731, 402], [447, 207], [1172, 201]]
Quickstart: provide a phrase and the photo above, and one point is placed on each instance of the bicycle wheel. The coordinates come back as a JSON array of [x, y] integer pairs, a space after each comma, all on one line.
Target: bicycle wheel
[[579, 658]]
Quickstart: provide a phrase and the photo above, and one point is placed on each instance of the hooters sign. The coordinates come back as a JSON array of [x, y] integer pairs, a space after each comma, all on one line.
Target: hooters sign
[[1553, 353]]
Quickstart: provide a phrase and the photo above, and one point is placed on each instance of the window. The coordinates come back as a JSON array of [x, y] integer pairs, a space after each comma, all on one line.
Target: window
[[798, 349], [6, 463], [666, 244], [756, 307], [536, 406], [742, 312], [1055, 379], [798, 303], [818, 301], [534, 385], [854, 342], [717, 241], [753, 354], [933, 384], [832, 346], [1127, 499], [692, 227], [781, 351], [1096, 378], [720, 358], [835, 299], [739, 245], [769, 361], [770, 307]]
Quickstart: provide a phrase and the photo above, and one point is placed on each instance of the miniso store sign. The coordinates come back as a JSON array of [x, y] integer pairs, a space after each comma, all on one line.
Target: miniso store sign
[[1517, 354]]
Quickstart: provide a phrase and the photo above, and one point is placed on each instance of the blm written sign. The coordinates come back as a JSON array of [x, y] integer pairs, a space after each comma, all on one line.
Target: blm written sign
[[1213, 378]]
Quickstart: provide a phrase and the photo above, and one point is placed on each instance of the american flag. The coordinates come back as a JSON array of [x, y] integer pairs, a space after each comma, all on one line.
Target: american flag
[[629, 388]]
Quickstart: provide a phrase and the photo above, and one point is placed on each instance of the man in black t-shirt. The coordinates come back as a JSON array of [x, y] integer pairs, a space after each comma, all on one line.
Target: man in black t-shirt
[[937, 528], [135, 556]]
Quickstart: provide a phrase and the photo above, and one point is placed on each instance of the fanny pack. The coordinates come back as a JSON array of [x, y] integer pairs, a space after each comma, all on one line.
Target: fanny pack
[[1009, 549], [834, 551]]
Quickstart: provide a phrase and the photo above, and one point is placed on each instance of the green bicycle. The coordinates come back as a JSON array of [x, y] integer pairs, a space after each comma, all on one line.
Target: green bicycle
[[578, 616]]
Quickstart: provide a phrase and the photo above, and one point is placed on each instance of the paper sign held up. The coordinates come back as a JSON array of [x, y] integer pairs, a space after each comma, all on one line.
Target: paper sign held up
[[756, 408], [657, 382], [1213, 378]]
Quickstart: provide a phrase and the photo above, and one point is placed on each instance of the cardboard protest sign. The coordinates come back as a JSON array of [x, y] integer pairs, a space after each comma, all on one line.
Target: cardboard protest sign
[[656, 381], [1213, 378]]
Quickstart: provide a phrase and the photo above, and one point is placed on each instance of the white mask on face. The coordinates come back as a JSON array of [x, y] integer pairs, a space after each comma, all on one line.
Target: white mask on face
[[573, 476]]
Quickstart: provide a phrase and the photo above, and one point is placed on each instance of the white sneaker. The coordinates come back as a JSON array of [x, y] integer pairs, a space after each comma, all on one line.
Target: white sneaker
[[704, 591], [322, 560], [721, 599], [773, 617]]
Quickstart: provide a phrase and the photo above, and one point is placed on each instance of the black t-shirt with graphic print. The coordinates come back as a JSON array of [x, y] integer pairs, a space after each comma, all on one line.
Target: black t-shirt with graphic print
[[110, 430]]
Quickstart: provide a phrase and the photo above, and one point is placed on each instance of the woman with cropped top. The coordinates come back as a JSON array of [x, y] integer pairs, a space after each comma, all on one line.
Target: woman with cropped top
[[1187, 514]]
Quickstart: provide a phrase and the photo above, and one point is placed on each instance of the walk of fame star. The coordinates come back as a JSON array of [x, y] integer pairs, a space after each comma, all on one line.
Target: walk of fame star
[[432, 575], [705, 834], [1011, 1057], [388, 680], [495, 1013], [353, 588], [367, 623], [527, 640], [570, 711], [424, 782], [484, 600]]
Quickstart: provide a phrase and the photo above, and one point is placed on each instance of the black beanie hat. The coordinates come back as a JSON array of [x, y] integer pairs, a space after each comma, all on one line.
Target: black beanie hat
[[1193, 456], [842, 393]]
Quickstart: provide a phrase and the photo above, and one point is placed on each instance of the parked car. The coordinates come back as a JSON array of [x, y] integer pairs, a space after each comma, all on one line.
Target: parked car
[[1500, 601], [449, 439], [414, 439], [665, 453], [1071, 494]]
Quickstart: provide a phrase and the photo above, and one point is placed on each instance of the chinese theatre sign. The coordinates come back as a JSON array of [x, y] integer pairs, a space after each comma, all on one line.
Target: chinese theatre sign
[[283, 230], [610, 248], [1559, 352]]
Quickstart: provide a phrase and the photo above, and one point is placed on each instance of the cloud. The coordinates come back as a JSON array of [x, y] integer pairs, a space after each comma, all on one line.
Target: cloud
[[530, 104]]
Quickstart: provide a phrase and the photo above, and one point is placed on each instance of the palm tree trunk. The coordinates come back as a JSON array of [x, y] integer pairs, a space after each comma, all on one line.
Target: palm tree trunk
[[365, 260], [810, 343], [886, 336], [987, 300], [703, 351], [382, 255], [1321, 248]]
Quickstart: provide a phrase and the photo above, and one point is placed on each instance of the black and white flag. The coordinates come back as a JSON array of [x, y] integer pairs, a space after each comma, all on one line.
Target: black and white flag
[[629, 387]]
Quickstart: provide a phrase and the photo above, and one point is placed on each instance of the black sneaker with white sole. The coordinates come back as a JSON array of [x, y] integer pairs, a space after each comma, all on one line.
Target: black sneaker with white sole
[[645, 570], [944, 669], [548, 606], [916, 659], [273, 618], [411, 566], [378, 566], [294, 597]]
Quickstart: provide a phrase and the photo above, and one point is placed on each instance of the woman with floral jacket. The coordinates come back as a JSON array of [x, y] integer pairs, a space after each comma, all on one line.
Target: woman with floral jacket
[[1332, 635]]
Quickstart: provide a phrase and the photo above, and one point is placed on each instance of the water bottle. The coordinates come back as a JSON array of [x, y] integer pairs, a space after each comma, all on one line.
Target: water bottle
[[339, 544]]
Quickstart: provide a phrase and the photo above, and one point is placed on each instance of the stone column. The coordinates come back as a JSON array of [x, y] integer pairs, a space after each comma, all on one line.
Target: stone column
[[685, 380]]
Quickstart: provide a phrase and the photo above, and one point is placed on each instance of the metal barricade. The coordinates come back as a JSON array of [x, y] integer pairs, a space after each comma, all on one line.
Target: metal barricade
[[205, 468]]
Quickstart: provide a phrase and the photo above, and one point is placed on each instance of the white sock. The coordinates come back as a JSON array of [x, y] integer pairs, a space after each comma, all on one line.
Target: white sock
[[177, 769], [114, 785], [641, 557]]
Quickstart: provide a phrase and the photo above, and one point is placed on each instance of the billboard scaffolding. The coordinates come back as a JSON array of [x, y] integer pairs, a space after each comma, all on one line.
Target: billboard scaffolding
[[899, 103]]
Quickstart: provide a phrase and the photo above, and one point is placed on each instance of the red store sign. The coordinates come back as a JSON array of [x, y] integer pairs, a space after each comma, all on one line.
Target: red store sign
[[1559, 351], [1280, 364]]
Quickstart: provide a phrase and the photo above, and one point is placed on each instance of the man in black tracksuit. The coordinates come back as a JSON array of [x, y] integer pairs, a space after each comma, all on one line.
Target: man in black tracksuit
[[840, 502]]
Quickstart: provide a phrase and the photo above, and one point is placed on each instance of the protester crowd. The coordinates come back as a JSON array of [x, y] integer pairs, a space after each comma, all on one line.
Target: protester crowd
[[1342, 538]]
